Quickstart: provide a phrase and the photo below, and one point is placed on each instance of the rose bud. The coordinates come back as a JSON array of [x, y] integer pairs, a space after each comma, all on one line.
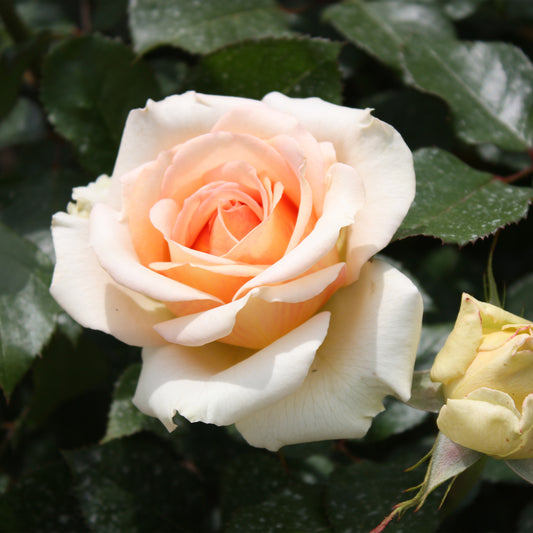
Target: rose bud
[[486, 368]]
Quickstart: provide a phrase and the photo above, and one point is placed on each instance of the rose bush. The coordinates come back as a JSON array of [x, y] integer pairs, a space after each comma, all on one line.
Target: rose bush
[[486, 367], [232, 242]]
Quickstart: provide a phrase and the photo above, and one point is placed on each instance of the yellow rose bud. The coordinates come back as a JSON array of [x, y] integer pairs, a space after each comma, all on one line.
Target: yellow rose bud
[[486, 368]]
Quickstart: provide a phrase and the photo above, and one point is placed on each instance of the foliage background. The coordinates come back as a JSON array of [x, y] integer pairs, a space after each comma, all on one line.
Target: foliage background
[[453, 76]]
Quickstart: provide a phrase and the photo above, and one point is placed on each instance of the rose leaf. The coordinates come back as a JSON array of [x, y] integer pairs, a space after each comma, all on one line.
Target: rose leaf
[[137, 484], [458, 204], [89, 85], [27, 311], [201, 27], [364, 492], [381, 28], [489, 87], [298, 507], [124, 418], [296, 67]]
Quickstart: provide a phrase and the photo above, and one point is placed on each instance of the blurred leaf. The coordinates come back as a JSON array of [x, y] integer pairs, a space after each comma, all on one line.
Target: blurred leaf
[[14, 62], [458, 204], [201, 27], [519, 297], [522, 467], [432, 339], [106, 13], [414, 115], [362, 494], [459, 9], [89, 85], [526, 520], [397, 418], [296, 508], [27, 310], [170, 74], [250, 479], [46, 15], [65, 372], [296, 67], [24, 123], [124, 418], [513, 160], [381, 28], [137, 484], [426, 394], [38, 183], [489, 87], [41, 502], [497, 471]]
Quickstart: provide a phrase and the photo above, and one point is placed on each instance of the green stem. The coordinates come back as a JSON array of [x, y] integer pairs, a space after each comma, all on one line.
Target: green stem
[[15, 26]]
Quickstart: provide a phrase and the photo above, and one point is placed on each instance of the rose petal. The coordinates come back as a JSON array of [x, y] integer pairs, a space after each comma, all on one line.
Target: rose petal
[[218, 384], [268, 124], [483, 425], [342, 201], [111, 242], [369, 353], [202, 154], [162, 125], [218, 323], [461, 346], [141, 189], [378, 154], [89, 294]]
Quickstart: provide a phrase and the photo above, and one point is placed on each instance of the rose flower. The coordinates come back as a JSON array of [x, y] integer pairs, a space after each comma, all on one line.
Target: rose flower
[[232, 242], [486, 367]]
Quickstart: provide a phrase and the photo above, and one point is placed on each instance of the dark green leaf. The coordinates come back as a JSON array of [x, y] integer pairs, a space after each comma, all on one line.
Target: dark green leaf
[[202, 27], [106, 13], [14, 61], [124, 418], [37, 184], [457, 203], [497, 471], [397, 418], [414, 115], [24, 123], [48, 15], [137, 484], [426, 394], [296, 508], [381, 28], [489, 87], [89, 85], [459, 9], [27, 310], [432, 339], [63, 374], [41, 502], [297, 67], [519, 297], [240, 486], [526, 520], [362, 495]]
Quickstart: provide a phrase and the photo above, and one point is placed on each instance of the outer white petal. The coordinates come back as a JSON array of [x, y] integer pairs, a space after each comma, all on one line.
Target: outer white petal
[[219, 384], [162, 125], [91, 297], [369, 353], [379, 155]]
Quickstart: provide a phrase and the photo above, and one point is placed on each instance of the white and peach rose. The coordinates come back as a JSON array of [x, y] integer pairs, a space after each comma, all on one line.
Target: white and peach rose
[[233, 243]]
